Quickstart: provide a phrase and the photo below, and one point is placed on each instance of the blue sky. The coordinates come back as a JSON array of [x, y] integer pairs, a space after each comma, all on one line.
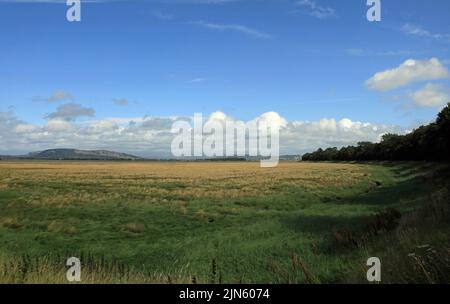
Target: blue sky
[[305, 60]]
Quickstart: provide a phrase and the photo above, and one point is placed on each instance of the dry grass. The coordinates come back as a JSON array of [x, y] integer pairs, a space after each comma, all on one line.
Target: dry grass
[[11, 223], [156, 181], [26, 270], [135, 228]]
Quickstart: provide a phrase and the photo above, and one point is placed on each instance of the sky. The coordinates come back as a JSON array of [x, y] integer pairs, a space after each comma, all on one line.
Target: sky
[[120, 78]]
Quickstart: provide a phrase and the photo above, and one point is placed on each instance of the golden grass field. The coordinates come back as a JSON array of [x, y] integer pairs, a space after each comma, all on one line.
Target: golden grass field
[[196, 179]]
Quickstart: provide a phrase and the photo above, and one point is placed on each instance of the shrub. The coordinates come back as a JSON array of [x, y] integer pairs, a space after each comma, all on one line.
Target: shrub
[[383, 221], [344, 238]]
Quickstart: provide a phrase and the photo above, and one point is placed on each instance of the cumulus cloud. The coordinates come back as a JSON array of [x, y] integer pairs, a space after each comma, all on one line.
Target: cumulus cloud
[[219, 116], [24, 128], [70, 112], [273, 119], [432, 95], [310, 135], [57, 126], [151, 137], [408, 72]]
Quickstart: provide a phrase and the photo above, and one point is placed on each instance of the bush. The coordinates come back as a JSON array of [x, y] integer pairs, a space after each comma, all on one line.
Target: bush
[[383, 221], [344, 239]]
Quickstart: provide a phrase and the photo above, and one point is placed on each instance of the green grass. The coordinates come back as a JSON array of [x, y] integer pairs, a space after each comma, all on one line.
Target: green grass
[[284, 237]]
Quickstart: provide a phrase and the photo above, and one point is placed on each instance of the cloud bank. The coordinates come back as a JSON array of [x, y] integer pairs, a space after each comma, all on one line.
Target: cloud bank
[[151, 137]]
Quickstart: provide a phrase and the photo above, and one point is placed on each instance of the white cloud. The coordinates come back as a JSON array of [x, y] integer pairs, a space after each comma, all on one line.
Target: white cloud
[[196, 80], [316, 10], [419, 31], [310, 135], [102, 126], [233, 27], [162, 15], [24, 128], [218, 116], [56, 125], [150, 136], [273, 119], [408, 72], [432, 95]]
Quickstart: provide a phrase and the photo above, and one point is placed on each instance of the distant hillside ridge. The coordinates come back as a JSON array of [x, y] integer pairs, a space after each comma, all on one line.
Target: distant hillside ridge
[[75, 154]]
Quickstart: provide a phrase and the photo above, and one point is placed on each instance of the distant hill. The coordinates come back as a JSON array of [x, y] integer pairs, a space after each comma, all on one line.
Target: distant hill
[[74, 154]]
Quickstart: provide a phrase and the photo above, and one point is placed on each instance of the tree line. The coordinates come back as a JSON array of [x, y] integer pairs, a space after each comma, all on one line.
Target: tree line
[[429, 142]]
